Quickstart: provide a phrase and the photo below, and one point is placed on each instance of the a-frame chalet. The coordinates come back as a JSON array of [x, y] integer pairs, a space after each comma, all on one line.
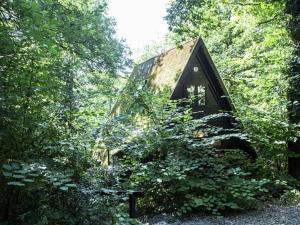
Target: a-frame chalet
[[187, 71]]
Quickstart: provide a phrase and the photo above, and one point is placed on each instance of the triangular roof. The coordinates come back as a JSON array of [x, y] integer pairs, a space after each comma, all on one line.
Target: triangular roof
[[167, 69]]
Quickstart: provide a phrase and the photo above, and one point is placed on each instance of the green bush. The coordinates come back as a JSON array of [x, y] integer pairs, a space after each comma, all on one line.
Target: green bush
[[96, 207], [181, 173], [290, 197]]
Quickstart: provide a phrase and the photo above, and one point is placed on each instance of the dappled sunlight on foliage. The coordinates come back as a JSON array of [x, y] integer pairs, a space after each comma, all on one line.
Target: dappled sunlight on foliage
[[74, 146], [251, 47]]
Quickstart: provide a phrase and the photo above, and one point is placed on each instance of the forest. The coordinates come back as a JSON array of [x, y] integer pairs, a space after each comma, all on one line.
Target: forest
[[62, 71]]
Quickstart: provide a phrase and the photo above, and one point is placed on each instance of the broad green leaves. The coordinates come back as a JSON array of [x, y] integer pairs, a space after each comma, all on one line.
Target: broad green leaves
[[180, 172], [7, 167], [7, 174], [60, 180], [21, 174], [16, 183]]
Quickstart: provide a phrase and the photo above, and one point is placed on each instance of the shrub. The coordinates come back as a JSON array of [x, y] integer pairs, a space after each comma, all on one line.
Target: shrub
[[290, 197], [181, 173]]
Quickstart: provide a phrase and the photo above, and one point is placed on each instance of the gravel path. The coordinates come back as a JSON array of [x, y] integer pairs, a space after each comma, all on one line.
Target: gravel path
[[270, 215]]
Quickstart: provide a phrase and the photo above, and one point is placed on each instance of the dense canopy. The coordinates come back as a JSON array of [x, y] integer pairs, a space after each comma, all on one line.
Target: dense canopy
[[63, 68]]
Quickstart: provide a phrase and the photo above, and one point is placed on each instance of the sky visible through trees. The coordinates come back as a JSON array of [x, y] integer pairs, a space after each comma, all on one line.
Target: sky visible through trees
[[141, 23]]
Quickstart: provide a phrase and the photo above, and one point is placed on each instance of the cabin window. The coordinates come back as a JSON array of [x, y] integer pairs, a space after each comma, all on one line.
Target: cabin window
[[199, 92], [196, 69], [201, 95], [190, 91]]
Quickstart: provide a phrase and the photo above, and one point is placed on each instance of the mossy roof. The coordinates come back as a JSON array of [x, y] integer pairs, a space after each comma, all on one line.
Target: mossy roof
[[163, 71]]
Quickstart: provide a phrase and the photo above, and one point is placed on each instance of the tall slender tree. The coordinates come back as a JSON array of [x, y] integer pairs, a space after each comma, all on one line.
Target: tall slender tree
[[293, 8]]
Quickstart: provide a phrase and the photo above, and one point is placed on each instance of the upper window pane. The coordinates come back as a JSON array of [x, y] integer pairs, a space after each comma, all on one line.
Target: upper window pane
[[201, 95], [191, 90]]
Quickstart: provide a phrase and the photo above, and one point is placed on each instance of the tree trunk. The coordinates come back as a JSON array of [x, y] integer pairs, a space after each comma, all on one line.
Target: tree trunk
[[293, 8]]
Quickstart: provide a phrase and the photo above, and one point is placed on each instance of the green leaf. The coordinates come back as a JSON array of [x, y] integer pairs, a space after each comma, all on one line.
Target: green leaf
[[15, 183], [28, 180], [70, 185], [18, 176], [33, 175], [64, 188], [7, 174], [22, 171], [105, 190], [15, 166], [6, 166], [57, 183], [65, 180]]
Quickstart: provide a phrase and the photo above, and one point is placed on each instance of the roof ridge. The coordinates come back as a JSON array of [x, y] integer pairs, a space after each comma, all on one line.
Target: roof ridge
[[176, 47]]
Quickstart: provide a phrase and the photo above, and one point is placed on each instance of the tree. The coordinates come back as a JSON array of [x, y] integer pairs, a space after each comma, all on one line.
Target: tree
[[250, 44], [155, 49], [58, 63], [55, 57], [293, 8]]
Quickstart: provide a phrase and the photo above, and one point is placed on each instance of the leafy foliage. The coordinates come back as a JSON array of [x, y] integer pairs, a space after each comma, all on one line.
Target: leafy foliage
[[19, 174], [180, 172], [59, 61], [51, 51], [251, 47], [97, 200]]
